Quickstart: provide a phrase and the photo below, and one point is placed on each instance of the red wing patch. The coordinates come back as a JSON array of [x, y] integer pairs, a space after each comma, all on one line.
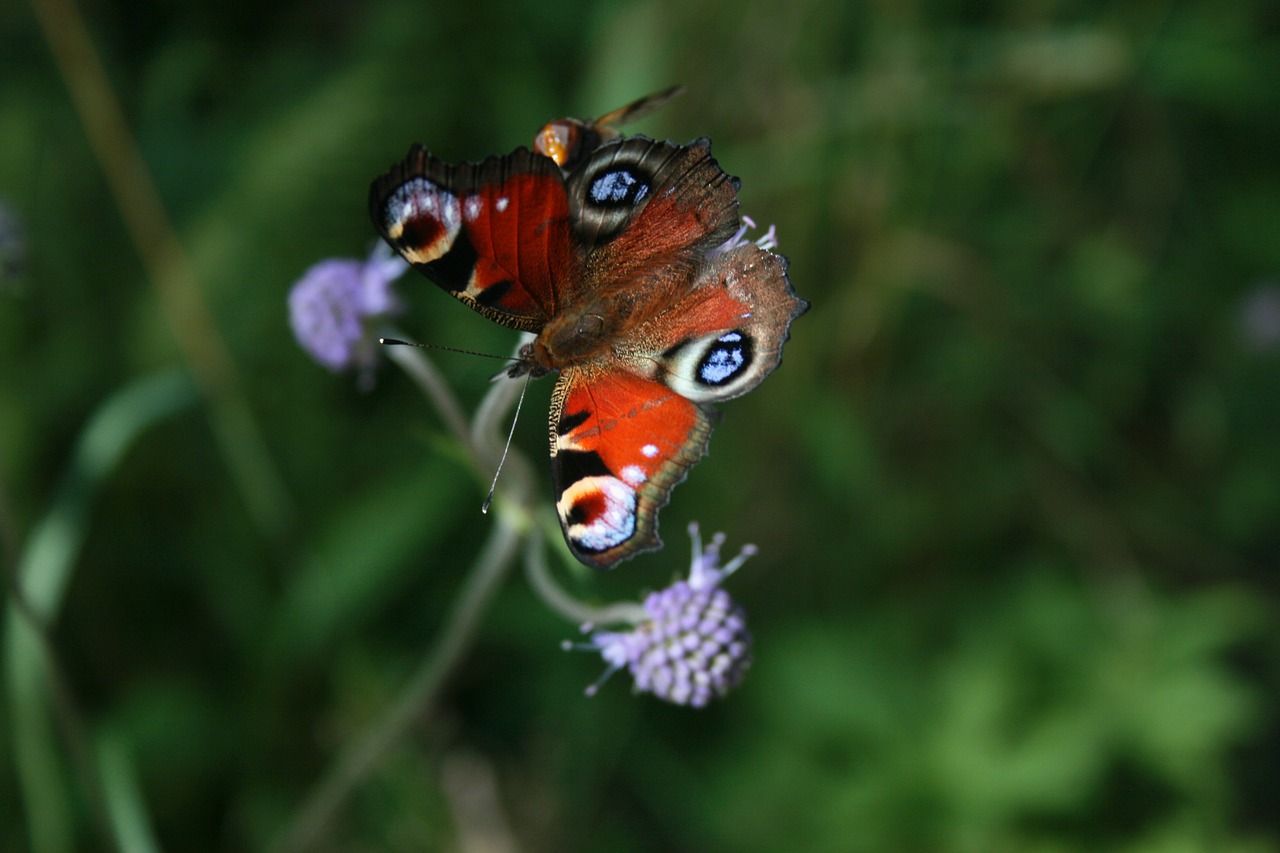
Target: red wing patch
[[494, 234], [620, 443]]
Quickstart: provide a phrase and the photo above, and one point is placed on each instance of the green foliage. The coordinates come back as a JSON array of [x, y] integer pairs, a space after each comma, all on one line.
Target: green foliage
[[1014, 486]]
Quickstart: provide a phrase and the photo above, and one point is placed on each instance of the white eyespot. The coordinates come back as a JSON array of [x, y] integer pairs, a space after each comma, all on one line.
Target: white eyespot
[[634, 475], [429, 206], [472, 208], [650, 450], [613, 523], [501, 204]]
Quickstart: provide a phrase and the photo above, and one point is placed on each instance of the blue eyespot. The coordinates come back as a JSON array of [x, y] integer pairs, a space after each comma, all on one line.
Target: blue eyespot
[[618, 187], [725, 359]]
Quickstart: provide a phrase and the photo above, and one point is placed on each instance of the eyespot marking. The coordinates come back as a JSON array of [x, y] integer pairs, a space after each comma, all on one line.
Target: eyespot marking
[[621, 186], [422, 219], [725, 359], [598, 513]]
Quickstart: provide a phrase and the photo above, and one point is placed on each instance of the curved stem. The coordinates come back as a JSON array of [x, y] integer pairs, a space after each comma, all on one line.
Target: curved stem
[[482, 440], [362, 757], [424, 374], [37, 587], [539, 575], [168, 267]]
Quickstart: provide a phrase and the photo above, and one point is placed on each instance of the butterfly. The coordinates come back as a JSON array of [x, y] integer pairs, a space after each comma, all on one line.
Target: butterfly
[[626, 265]]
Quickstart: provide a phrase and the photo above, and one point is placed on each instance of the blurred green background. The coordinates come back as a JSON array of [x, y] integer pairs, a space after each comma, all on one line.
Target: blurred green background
[[1014, 485]]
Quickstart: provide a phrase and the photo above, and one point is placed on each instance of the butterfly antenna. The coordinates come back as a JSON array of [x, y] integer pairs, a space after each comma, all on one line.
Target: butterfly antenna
[[514, 418], [396, 342]]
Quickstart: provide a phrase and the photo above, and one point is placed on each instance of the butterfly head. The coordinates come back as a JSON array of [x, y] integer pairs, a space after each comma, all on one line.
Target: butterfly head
[[525, 364]]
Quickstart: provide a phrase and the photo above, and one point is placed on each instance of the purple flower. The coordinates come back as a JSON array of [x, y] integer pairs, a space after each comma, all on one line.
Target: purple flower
[[767, 241], [1260, 317], [13, 245], [692, 644], [331, 308]]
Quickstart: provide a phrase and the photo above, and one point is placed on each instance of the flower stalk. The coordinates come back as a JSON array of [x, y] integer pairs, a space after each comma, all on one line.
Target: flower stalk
[[686, 644]]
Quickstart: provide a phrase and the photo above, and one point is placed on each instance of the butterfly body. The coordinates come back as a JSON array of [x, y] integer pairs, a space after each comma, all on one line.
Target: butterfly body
[[623, 266]]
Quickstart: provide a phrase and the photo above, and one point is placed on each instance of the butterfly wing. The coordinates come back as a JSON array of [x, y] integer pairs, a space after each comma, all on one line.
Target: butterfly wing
[[620, 443], [646, 214], [495, 234], [628, 429], [724, 336], [639, 200], [639, 108]]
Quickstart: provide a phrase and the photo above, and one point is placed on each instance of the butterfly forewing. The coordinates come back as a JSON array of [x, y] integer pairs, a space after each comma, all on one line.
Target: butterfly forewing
[[653, 199], [650, 212], [495, 234]]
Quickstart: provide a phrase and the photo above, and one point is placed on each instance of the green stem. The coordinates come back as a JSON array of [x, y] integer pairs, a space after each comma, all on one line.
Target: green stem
[[362, 757], [424, 374], [168, 268], [131, 830], [37, 590], [539, 576]]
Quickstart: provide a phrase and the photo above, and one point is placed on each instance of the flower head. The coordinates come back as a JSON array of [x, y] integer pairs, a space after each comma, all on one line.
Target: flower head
[[13, 245], [767, 241], [331, 306], [1260, 317], [691, 645]]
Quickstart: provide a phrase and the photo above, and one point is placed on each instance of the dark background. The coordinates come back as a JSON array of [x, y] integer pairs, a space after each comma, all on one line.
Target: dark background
[[1014, 486]]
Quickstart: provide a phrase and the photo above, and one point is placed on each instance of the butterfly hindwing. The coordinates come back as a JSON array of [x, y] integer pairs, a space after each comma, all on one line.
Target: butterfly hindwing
[[620, 443], [494, 234], [721, 340], [626, 431]]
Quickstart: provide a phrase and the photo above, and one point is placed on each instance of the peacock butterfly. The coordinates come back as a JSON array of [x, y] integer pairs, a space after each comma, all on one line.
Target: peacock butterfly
[[628, 265]]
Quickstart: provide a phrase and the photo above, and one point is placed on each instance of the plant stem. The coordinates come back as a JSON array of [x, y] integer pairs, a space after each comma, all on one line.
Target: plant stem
[[539, 576], [362, 757], [424, 374], [168, 267], [38, 584]]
